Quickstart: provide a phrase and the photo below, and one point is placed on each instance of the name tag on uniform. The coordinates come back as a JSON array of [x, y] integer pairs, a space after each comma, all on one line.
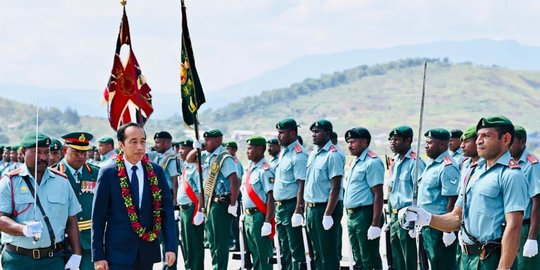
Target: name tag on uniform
[[88, 186]]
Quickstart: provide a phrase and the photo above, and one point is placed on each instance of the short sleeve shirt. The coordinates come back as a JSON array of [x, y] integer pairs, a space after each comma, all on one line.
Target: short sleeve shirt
[[401, 180], [530, 166], [365, 172], [291, 167], [261, 178], [191, 176], [228, 167], [323, 164]]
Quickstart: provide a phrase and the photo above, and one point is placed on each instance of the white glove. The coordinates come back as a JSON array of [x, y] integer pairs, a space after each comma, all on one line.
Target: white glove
[[176, 215], [327, 222], [266, 229], [33, 229], [242, 217], [373, 233], [385, 227], [413, 215], [448, 238], [232, 210], [530, 249], [74, 262], [412, 233], [197, 144], [296, 220], [198, 219]]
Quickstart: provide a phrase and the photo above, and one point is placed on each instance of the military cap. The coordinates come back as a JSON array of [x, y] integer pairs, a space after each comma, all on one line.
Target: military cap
[[231, 144], [438, 133], [256, 140], [401, 131], [272, 141], [300, 140], [29, 140], [7, 148], [106, 139], [175, 144], [357, 133], [55, 145], [324, 124], [469, 133], [494, 121], [288, 123], [163, 135], [213, 133], [520, 132], [186, 142], [16, 147], [456, 133], [78, 140]]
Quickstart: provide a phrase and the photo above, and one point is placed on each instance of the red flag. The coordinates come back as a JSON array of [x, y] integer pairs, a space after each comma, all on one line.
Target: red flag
[[127, 94]]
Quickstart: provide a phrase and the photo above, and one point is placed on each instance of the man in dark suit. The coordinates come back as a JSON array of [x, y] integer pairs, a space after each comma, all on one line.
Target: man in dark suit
[[128, 204]]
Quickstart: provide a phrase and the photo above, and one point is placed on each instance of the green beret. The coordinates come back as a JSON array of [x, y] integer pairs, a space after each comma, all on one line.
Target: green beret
[[175, 144], [494, 121], [401, 131], [456, 133], [256, 140], [438, 133], [55, 145], [29, 140], [334, 135], [273, 141], [15, 148], [288, 123], [186, 142], [7, 148], [231, 144], [78, 140], [213, 133], [469, 133], [106, 139], [163, 135], [520, 132], [357, 133], [323, 124]]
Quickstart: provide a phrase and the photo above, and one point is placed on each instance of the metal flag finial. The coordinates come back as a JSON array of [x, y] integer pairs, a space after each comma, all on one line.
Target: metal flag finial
[[123, 2]]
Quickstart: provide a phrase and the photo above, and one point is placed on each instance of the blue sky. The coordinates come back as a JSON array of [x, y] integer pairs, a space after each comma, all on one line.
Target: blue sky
[[70, 44]]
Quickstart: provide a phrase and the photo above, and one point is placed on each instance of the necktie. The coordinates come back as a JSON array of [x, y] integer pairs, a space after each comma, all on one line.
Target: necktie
[[77, 173], [134, 186]]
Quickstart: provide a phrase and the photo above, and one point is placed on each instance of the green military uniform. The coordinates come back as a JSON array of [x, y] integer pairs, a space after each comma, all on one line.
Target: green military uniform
[[273, 160], [259, 181], [365, 172], [290, 168], [83, 182], [16, 201], [404, 252], [486, 197], [438, 182], [458, 154], [234, 239]]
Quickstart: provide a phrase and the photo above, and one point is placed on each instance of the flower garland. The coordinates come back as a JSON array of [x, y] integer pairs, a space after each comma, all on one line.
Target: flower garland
[[128, 200]]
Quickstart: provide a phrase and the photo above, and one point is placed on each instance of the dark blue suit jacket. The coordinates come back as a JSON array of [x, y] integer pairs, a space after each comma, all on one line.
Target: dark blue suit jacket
[[113, 239]]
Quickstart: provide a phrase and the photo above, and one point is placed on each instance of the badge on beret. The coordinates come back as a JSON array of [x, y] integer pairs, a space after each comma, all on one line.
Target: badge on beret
[[82, 138]]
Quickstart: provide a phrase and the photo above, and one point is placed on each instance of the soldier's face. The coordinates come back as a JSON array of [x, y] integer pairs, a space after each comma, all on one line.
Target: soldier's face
[[231, 150], [212, 144], [517, 147], [320, 136], [286, 136], [254, 153], [75, 158], [97, 157], [42, 158], [104, 148], [489, 145], [134, 144], [162, 145], [5, 156], [356, 146], [184, 151], [454, 144], [435, 147], [13, 155], [54, 156], [469, 147], [273, 149], [397, 144]]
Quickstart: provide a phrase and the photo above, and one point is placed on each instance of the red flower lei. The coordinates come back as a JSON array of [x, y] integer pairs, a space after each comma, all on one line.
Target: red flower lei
[[128, 201]]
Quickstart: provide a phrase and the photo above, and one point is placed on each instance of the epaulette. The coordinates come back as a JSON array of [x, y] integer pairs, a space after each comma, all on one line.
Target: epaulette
[[447, 161], [532, 159], [89, 167], [332, 148], [513, 164], [236, 160], [14, 172], [371, 154], [265, 166], [58, 172], [413, 155], [297, 148]]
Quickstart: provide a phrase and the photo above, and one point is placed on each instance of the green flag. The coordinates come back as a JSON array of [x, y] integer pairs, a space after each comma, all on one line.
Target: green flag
[[192, 92]]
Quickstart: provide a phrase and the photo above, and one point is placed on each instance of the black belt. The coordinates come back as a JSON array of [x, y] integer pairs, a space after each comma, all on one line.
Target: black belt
[[250, 211], [225, 199], [316, 204], [483, 249], [356, 209], [184, 207], [280, 203], [36, 253]]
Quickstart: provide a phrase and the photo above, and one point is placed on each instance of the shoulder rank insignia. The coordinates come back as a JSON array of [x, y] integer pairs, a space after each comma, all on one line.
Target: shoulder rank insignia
[[371, 154], [14, 172], [58, 172], [513, 164], [88, 168], [236, 160], [532, 159], [447, 161], [332, 148], [413, 155], [265, 166], [297, 148]]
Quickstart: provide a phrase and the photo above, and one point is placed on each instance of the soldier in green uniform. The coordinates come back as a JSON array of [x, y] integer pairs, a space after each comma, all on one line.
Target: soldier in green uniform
[[232, 148], [220, 177], [33, 238], [82, 176], [273, 151], [258, 204], [55, 152], [106, 150], [528, 247], [437, 193], [5, 159], [454, 146], [404, 253], [289, 194], [364, 200], [323, 195], [190, 219], [494, 195]]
